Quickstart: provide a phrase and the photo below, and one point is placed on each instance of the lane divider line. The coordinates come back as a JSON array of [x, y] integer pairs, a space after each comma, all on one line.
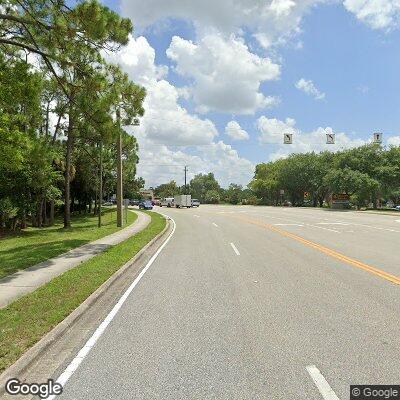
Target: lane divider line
[[215, 224], [84, 351], [332, 253], [321, 383], [235, 249]]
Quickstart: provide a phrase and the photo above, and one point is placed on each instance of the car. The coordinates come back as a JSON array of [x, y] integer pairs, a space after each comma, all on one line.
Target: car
[[145, 205], [134, 202], [195, 203], [107, 203], [398, 208]]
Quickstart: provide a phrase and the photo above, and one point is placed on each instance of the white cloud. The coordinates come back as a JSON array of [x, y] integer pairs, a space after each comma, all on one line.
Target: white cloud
[[394, 141], [226, 75], [235, 131], [308, 87], [167, 124], [138, 60], [379, 14], [271, 21], [159, 164], [272, 130]]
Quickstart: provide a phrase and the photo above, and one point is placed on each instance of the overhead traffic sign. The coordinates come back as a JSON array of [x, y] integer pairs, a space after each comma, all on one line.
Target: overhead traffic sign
[[330, 138], [287, 138], [378, 137]]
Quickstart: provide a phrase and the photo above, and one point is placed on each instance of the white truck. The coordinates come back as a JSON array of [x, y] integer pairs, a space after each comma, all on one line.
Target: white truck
[[167, 202], [183, 200]]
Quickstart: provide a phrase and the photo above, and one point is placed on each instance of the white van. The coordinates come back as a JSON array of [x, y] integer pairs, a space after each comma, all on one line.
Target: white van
[[167, 202]]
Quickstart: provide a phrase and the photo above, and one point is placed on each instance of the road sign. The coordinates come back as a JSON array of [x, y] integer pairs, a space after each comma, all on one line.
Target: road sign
[[282, 192], [378, 137], [287, 138], [340, 200], [330, 138]]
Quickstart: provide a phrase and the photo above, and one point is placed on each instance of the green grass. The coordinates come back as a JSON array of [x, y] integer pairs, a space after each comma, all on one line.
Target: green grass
[[33, 245], [27, 320]]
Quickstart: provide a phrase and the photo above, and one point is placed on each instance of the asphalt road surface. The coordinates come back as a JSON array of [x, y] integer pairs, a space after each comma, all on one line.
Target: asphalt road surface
[[256, 303]]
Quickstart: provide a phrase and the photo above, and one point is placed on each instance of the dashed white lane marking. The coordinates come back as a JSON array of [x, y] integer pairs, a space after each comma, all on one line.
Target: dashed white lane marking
[[397, 220], [325, 229], [235, 249], [195, 215], [287, 225], [321, 383], [73, 366], [215, 224], [333, 223]]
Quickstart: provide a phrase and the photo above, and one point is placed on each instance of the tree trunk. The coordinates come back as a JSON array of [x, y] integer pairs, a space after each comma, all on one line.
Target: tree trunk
[[45, 219], [67, 181], [51, 222], [39, 213]]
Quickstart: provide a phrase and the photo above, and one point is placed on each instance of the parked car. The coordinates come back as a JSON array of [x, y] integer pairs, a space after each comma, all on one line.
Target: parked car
[[167, 202], [107, 203], [134, 202], [195, 203], [145, 205], [398, 208]]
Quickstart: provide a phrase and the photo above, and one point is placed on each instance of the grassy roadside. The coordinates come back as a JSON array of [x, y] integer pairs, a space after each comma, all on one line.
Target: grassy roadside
[[34, 245], [27, 320]]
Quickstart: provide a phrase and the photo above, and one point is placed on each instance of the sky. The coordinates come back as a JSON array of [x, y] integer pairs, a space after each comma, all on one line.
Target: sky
[[225, 79]]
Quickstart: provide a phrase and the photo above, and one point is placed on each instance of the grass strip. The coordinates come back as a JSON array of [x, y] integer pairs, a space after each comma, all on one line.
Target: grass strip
[[31, 246], [24, 322]]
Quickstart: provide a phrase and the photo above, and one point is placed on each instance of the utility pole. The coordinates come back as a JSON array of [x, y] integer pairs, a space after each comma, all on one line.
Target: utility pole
[[186, 170], [119, 171]]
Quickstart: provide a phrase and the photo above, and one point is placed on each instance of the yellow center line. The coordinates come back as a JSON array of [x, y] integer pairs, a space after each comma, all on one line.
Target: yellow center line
[[326, 250]]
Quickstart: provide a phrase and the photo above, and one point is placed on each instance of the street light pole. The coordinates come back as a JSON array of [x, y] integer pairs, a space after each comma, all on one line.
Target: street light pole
[[186, 169], [119, 172], [100, 180]]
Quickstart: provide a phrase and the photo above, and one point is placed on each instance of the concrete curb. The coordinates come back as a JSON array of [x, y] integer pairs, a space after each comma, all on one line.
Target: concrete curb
[[32, 354]]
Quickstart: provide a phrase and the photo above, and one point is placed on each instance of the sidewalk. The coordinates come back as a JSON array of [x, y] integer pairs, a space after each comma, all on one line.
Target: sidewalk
[[25, 281]]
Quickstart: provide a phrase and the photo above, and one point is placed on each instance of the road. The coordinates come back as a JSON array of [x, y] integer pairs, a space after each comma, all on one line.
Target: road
[[256, 303]]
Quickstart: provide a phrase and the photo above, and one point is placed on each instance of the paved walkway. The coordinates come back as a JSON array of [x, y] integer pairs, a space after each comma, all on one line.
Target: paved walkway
[[25, 281]]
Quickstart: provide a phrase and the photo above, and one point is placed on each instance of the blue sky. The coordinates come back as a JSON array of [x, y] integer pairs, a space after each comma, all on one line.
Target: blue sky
[[349, 54]]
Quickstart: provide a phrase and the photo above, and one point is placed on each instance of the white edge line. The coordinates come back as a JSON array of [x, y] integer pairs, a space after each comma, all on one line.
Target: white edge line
[[235, 249], [73, 366], [215, 224], [321, 383]]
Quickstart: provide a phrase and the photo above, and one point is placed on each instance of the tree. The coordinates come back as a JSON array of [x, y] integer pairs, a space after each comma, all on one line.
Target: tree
[[167, 189], [234, 193], [201, 184], [212, 197], [353, 183]]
